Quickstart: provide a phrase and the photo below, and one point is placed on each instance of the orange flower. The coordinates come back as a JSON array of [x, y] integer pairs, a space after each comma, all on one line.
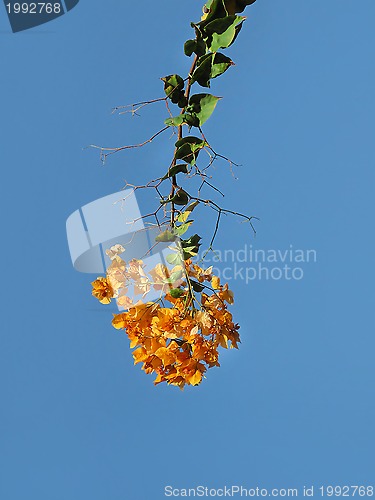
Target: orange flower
[[165, 321], [123, 300], [102, 290], [116, 273], [226, 294], [160, 275]]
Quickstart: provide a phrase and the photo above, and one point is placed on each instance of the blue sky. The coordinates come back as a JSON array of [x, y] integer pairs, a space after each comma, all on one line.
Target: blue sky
[[295, 405]]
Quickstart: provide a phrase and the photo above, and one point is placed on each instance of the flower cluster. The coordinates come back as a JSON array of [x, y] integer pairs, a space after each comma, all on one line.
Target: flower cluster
[[177, 336]]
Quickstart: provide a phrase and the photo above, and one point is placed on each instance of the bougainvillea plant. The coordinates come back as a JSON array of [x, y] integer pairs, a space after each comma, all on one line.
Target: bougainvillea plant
[[178, 335]]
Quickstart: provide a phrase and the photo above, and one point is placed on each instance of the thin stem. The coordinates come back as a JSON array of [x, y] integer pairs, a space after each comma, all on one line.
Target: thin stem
[[121, 148], [133, 108]]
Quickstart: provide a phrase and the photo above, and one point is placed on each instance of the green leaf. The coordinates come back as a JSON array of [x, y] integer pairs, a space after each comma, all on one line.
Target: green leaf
[[174, 87], [202, 73], [174, 259], [177, 169], [223, 32], [191, 250], [176, 121], [198, 147], [165, 236], [216, 9], [196, 46], [202, 105], [191, 120], [197, 287], [188, 140], [193, 240], [240, 5], [173, 82], [200, 108], [191, 246], [190, 47], [176, 293], [183, 119], [180, 198], [184, 152], [177, 274], [185, 215], [180, 230], [182, 101], [188, 149], [210, 66], [220, 64]]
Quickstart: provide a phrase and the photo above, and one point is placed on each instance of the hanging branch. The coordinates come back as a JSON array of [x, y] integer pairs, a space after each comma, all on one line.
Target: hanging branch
[[180, 342]]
